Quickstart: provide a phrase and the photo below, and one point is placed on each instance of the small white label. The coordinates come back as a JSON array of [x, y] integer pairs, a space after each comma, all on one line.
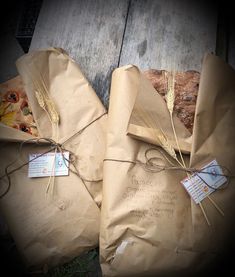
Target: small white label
[[49, 164], [201, 184]]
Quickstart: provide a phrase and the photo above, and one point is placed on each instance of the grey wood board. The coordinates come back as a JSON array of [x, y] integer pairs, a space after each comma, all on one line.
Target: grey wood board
[[90, 31], [169, 34], [231, 44], [10, 51]]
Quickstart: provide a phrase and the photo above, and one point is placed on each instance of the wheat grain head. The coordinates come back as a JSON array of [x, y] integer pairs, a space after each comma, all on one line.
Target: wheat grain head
[[40, 99], [170, 96], [52, 111]]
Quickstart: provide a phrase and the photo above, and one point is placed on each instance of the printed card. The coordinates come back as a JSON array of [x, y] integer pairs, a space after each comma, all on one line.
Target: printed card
[[202, 184], [50, 164]]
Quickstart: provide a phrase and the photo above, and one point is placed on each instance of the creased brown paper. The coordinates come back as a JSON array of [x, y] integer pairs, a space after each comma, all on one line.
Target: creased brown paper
[[150, 118], [54, 227], [77, 104], [214, 138], [149, 225]]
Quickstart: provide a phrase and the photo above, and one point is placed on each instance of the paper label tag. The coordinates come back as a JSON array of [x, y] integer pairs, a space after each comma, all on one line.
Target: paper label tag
[[201, 184], [49, 164]]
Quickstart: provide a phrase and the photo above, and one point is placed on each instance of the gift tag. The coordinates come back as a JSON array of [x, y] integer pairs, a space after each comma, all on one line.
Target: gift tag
[[49, 164], [201, 184]]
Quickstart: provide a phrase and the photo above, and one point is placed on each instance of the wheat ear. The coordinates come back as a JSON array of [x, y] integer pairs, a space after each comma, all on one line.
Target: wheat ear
[[149, 121], [51, 108], [42, 102], [40, 96], [52, 111], [167, 147], [170, 100], [40, 99]]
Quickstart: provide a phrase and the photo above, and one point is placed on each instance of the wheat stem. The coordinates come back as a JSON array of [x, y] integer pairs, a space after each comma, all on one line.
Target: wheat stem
[[43, 98], [38, 93], [50, 185], [216, 205], [162, 139], [204, 213], [41, 103], [177, 142], [170, 99]]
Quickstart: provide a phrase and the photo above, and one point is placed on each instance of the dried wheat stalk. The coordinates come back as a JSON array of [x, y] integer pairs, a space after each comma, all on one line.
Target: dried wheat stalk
[[167, 146], [52, 111], [170, 96], [54, 116], [150, 122], [170, 100], [40, 99], [43, 98]]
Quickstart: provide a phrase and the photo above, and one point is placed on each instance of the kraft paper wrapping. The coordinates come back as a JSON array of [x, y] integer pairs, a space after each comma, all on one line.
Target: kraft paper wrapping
[[149, 224], [214, 138], [77, 104], [52, 228]]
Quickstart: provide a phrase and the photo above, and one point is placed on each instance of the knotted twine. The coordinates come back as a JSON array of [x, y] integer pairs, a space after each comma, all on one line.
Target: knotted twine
[[150, 165], [54, 146]]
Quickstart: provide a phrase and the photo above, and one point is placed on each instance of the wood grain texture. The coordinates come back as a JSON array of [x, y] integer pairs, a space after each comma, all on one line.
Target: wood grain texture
[[166, 34], [10, 50], [231, 41], [90, 31], [231, 52]]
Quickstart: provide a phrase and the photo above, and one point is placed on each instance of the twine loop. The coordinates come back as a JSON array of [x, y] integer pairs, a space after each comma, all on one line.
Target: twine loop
[[157, 164]]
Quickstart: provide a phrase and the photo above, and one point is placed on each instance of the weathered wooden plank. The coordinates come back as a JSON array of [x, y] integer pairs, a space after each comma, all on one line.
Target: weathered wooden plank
[[90, 31], [10, 50], [231, 40], [169, 33], [231, 52], [222, 34]]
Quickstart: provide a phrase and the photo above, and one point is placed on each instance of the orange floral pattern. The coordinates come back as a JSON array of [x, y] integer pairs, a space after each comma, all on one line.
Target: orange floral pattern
[[14, 107]]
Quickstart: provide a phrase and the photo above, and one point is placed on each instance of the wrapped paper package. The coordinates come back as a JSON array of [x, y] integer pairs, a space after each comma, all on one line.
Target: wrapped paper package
[[52, 220], [149, 224]]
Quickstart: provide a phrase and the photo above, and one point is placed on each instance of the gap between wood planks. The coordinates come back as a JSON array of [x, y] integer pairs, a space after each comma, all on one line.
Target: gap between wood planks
[[124, 31], [222, 35]]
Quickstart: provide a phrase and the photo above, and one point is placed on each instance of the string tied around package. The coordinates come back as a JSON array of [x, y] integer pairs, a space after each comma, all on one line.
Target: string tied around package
[[53, 146], [155, 164], [160, 163]]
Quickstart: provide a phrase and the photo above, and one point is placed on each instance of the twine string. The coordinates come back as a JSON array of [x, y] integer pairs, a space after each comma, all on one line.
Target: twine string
[[53, 146], [151, 165]]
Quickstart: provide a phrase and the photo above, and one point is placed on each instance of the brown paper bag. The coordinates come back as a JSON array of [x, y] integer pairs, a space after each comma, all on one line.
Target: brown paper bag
[[149, 225], [151, 118], [55, 226]]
